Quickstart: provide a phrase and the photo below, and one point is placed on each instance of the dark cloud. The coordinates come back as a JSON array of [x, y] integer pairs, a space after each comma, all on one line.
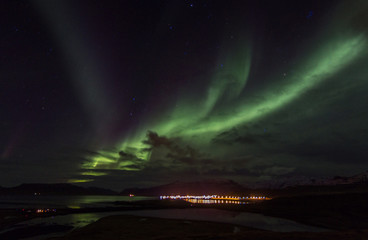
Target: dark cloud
[[154, 140], [124, 156], [244, 135], [175, 151], [133, 161], [278, 170]]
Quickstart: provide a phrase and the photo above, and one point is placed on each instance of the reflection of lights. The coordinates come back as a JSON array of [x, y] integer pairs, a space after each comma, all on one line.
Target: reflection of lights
[[214, 199], [74, 207], [80, 180]]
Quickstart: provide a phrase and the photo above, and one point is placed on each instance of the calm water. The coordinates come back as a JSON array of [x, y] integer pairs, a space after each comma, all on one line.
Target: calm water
[[63, 201], [240, 218], [254, 220]]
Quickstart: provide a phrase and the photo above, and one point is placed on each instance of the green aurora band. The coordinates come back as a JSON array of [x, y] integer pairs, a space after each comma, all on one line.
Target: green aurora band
[[203, 121], [224, 105]]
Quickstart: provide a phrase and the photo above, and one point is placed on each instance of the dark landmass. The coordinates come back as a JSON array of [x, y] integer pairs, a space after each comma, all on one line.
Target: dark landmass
[[336, 211], [133, 227], [229, 187], [345, 211], [290, 187], [54, 189], [355, 184], [33, 231], [9, 217], [346, 214], [339, 207], [292, 181], [190, 188], [306, 190]]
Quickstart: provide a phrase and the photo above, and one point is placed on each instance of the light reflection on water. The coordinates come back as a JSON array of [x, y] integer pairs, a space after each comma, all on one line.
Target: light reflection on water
[[214, 215], [42, 201], [75, 220], [254, 220], [203, 214]]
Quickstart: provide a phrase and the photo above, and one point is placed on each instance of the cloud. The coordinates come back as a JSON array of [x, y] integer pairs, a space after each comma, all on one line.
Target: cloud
[[154, 140], [244, 135], [278, 170], [130, 161], [175, 149]]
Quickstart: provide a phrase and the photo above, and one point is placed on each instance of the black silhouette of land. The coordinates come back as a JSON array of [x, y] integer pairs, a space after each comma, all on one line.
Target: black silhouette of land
[[341, 209]]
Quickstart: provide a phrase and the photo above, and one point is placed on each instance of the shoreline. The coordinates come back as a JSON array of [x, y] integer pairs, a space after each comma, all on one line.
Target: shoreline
[[9, 217], [310, 214], [12, 216], [137, 227]]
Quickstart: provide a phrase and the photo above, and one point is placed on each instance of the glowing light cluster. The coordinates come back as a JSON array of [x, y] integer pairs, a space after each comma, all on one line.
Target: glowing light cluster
[[210, 201], [46, 210], [213, 197], [188, 197]]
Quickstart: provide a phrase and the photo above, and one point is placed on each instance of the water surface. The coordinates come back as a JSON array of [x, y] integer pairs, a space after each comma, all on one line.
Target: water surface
[[42, 201], [253, 220]]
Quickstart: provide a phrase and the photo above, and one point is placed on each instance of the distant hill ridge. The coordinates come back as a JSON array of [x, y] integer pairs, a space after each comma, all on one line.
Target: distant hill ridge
[[290, 186], [293, 181], [355, 183], [54, 189], [213, 186]]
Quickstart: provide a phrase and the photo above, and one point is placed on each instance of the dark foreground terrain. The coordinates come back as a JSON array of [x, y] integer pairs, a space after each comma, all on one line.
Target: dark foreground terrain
[[345, 211], [132, 227], [344, 214]]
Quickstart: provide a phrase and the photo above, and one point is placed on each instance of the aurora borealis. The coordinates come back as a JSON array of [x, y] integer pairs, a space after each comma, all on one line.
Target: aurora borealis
[[120, 93]]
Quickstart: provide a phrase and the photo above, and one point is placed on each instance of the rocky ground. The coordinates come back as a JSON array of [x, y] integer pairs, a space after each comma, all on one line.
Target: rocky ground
[[133, 227]]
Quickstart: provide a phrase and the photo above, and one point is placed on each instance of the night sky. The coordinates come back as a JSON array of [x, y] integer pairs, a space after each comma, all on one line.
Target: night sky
[[137, 93]]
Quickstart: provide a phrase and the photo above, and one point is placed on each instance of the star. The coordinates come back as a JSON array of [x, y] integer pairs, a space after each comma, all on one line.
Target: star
[[310, 14]]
